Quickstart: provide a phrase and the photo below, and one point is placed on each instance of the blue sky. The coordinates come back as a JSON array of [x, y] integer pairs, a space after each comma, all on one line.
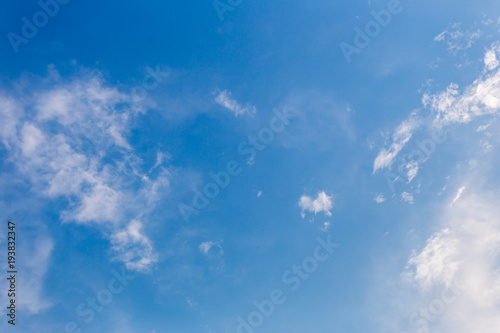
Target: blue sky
[[353, 192]]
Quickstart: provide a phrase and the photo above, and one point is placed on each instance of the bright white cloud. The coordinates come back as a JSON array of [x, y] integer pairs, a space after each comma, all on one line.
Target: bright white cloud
[[458, 195], [490, 58], [463, 252], [323, 203], [224, 99], [466, 252], [480, 98], [436, 262]]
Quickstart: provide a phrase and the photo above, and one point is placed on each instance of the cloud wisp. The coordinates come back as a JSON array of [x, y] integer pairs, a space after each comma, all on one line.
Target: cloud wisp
[[225, 99]]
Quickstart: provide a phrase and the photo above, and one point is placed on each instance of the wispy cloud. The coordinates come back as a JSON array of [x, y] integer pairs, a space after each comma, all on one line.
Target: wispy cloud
[[400, 138], [206, 246], [36, 264], [458, 195], [407, 197], [133, 247], [224, 99], [458, 39], [33, 260]]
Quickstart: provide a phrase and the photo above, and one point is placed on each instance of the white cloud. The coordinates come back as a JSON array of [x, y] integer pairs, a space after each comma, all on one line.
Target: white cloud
[[100, 204], [323, 203], [379, 198], [133, 247], [463, 250], [206, 246], [487, 146], [448, 107], [458, 39], [412, 170], [466, 247], [69, 139], [490, 58], [441, 36], [466, 252], [436, 262], [224, 99], [161, 157], [400, 138], [407, 197], [484, 127], [481, 98], [486, 20], [458, 195], [31, 284]]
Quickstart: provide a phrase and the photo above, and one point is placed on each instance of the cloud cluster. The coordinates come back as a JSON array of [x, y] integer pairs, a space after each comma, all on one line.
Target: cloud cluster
[[133, 247], [69, 138], [465, 253], [323, 203], [449, 107], [490, 58], [407, 197], [458, 39]]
